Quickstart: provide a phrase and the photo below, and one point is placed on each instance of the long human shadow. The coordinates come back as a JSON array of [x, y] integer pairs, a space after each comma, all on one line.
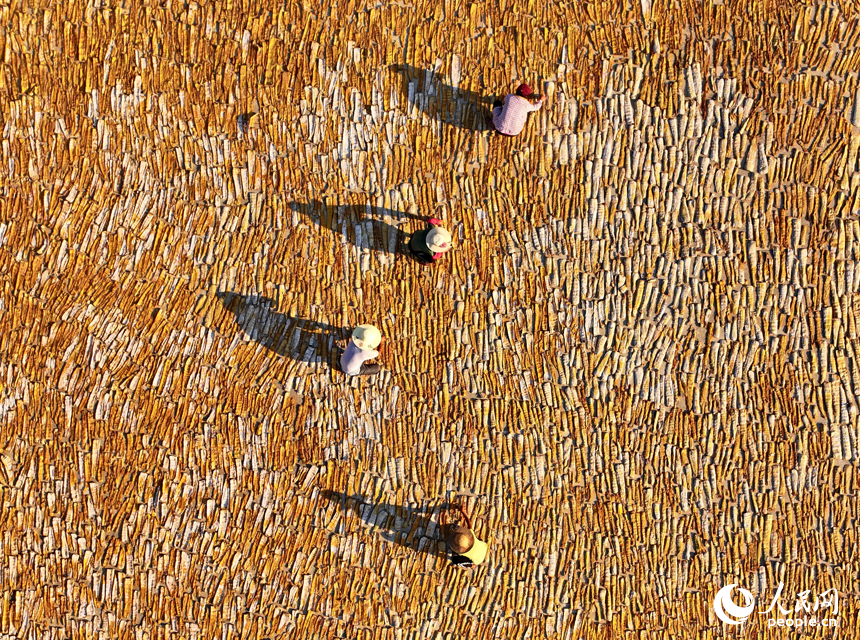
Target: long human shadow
[[413, 529], [297, 338], [365, 226], [454, 106]]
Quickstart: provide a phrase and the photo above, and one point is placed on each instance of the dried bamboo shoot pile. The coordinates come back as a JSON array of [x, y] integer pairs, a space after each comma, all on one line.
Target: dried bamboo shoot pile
[[637, 370]]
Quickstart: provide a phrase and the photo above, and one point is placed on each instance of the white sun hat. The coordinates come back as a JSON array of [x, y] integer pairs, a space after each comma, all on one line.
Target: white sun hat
[[438, 239], [366, 336]]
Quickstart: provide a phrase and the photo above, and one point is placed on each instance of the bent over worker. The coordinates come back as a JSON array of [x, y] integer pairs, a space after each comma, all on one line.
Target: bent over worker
[[466, 549], [431, 243], [509, 117], [361, 347]]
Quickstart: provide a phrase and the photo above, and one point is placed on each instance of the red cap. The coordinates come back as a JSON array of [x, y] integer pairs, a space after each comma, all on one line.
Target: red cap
[[524, 90]]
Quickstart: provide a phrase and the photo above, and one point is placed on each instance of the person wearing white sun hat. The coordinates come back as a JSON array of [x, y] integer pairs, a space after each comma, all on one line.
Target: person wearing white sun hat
[[431, 243], [362, 347]]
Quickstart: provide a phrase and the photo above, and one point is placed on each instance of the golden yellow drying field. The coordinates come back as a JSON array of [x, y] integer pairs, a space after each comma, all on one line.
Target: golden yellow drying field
[[638, 370]]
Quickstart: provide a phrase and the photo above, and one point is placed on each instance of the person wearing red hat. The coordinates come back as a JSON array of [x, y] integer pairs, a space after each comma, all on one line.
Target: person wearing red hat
[[509, 117]]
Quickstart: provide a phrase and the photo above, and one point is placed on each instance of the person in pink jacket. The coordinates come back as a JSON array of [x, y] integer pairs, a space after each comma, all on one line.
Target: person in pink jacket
[[509, 117]]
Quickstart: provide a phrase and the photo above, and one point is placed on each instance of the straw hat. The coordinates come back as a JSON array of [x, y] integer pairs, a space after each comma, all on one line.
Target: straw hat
[[438, 240], [460, 539], [366, 336]]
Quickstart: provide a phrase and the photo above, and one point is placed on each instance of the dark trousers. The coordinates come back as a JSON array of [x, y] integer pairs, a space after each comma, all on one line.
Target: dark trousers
[[461, 561], [420, 256], [369, 369]]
